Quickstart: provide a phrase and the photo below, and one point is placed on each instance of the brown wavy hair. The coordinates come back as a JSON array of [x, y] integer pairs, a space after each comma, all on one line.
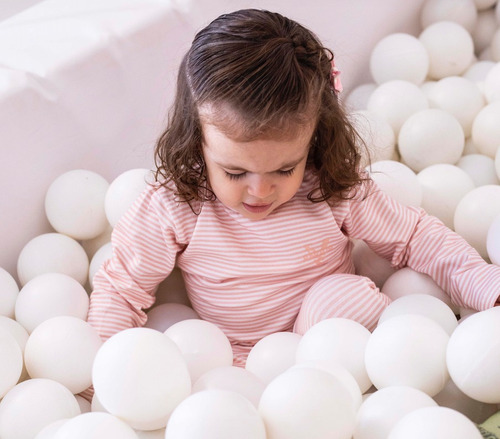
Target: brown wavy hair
[[274, 77]]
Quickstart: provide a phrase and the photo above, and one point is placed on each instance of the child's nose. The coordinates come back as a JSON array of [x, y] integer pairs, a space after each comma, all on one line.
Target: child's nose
[[260, 187]]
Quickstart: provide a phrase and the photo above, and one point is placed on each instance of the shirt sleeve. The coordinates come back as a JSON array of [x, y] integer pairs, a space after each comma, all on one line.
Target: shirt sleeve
[[408, 236], [144, 253]]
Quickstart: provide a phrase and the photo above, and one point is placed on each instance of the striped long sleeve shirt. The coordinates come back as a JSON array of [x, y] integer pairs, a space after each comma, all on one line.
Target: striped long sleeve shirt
[[249, 277]]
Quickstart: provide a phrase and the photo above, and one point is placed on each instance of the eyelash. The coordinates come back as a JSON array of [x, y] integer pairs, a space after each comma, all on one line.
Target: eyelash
[[286, 173]]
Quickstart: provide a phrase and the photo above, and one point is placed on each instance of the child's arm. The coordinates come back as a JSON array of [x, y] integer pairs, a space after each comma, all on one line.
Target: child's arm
[[144, 252], [407, 236]]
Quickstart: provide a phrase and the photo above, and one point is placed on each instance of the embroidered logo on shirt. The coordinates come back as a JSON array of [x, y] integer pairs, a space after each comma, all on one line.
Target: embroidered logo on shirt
[[318, 255]]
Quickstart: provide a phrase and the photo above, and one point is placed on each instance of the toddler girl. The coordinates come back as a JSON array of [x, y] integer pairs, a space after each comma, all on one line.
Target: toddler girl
[[258, 193]]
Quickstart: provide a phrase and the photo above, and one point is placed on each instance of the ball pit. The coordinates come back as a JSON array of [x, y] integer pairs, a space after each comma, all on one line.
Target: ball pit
[[301, 386]]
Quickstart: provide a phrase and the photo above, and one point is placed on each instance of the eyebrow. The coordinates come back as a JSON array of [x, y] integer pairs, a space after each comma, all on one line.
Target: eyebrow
[[284, 166]]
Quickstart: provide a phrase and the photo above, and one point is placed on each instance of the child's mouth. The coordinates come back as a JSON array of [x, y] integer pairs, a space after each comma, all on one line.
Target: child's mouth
[[256, 208]]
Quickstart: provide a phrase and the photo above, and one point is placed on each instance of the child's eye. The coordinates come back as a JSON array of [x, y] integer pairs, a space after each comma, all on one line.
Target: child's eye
[[235, 176], [231, 176], [287, 173]]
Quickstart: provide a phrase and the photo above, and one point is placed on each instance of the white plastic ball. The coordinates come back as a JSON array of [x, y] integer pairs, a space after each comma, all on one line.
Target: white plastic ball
[[459, 97], [74, 204], [358, 98], [123, 191], [20, 335], [63, 349], [398, 181], [96, 426], [408, 350], [50, 295], [235, 379], [32, 405], [480, 168], [497, 162], [424, 305], [473, 357], [98, 259], [341, 373], [452, 397], [377, 135], [430, 137], [493, 241], [92, 245], [384, 408], [52, 253], [399, 56], [462, 12], [272, 355], [367, 263], [475, 213], [165, 315], [203, 345], [397, 100], [407, 281], [432, 423], [215, 414], [140, 376], [341, 340], [49, 431], [9, 291], [485, 28], [486, 129], [450, 48], [11, 361], [304, 403], [443, 186], [16, 330], [478, 71], [492, 84]]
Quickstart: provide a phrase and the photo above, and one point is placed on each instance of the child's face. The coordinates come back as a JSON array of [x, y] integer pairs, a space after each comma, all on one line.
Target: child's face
[[256, 177]]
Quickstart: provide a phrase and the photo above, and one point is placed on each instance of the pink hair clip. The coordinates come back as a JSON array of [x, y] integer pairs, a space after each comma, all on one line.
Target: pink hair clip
[[335, 82]]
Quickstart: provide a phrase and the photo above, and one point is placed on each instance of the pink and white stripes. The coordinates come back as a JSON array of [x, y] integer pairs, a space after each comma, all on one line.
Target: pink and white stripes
[[251, 277]]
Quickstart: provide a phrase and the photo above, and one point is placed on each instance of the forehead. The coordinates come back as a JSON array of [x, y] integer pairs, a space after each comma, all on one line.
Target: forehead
[[260, 155], [237, 127]]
